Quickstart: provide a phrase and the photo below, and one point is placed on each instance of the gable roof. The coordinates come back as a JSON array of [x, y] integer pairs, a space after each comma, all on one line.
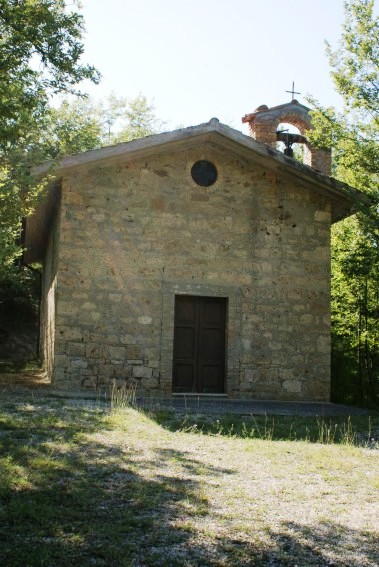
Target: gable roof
[[343, 197]]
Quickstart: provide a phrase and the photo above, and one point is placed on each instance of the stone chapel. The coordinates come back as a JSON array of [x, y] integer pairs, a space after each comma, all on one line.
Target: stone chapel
[[191, 262]]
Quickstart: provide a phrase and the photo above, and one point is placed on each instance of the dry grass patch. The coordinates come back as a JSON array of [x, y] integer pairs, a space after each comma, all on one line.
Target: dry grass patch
[[86, 485]]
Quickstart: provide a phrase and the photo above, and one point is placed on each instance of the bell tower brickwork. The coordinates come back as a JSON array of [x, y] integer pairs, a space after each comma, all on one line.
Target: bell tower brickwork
[[264, 121]]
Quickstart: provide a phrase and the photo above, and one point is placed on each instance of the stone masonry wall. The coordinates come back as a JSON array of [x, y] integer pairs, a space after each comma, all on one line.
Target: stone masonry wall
[[48, 297], [135, 234]]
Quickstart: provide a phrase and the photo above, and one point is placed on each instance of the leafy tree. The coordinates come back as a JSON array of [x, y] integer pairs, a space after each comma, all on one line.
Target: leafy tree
[[355, 311], [125, 119], [85, 124], [40, 54], [72, 127], [353, 135]]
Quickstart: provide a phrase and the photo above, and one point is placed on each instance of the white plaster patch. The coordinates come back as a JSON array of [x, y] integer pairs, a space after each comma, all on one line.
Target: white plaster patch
[[144, 320]]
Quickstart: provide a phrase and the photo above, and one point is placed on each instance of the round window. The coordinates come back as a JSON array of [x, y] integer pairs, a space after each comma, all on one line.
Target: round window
[[204, 173]]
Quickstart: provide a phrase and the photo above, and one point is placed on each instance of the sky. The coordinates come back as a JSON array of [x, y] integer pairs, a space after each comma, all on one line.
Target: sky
[[198, 59]]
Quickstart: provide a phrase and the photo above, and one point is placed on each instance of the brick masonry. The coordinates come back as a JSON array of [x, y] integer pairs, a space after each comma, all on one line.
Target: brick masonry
[[263, 124], [130, 235]]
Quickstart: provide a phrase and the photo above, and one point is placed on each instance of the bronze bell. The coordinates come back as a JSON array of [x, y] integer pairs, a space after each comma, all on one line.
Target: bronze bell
[[288, 139]]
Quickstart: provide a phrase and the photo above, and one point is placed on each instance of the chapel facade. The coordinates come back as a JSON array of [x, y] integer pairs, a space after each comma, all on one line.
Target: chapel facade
[[191, 262]]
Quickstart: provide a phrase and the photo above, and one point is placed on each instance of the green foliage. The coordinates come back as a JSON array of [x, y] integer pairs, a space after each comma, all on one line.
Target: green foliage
[[85, 124], [355, 64], [19, 295], [19, 193], [141, 120], [125, 119], [355, 310], [353, 135], [41, 53], [73, 127]]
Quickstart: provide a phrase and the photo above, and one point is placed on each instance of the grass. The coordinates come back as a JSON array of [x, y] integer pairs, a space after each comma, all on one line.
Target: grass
[[88, 484], [357, 430]]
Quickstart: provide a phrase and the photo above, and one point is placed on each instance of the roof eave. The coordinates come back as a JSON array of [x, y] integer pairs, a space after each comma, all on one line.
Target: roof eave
[[213, 130]]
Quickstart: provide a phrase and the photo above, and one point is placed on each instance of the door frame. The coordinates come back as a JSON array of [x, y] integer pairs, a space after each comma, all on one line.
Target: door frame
[[233, 294]]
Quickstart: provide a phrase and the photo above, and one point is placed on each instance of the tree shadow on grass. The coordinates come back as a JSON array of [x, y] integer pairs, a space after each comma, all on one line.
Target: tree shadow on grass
[[327, 544], [67, 498], [189, 464]]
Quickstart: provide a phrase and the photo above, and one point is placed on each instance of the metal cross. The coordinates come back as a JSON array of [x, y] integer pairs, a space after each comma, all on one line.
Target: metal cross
[[293, 92]]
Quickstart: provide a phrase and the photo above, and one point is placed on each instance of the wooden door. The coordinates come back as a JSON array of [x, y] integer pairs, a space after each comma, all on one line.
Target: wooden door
[[199, 344]]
